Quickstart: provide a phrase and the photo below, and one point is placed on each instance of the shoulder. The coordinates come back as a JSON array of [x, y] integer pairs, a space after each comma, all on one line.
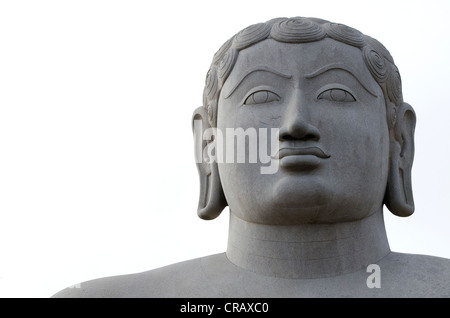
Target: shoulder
[[184, 279], [401, 275], [413, 275], [429, 266]]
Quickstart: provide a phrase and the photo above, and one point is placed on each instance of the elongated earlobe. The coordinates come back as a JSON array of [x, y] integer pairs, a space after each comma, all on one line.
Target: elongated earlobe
[[212, 199], [399, 195]]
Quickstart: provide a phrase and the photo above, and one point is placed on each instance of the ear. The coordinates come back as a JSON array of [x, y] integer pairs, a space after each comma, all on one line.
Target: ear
[[212, 199], [399, 196]]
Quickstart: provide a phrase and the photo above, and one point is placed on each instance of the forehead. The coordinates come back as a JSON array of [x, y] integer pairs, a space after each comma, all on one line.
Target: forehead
[[299, 59]]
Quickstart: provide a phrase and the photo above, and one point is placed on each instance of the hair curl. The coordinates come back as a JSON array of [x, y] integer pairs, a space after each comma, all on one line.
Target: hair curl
[[301, 30]]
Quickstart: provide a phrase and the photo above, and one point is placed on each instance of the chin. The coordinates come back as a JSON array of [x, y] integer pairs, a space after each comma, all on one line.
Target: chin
[[293, 215], [300, 193], [319, 214], [312, 205]]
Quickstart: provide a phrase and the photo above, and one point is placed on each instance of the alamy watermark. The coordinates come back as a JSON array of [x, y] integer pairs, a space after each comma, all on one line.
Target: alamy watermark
[[374, 279], [230, 146]]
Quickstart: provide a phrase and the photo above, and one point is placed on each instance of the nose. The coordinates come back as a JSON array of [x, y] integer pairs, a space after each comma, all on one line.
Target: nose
[[296, 123]]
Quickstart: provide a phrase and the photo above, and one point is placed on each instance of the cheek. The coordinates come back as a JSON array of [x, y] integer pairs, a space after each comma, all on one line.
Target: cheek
[[358, 141], [225, 116]]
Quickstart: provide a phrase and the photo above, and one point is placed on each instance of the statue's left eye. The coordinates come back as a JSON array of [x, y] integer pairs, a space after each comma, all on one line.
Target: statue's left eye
[[261, 97], [337, 95]]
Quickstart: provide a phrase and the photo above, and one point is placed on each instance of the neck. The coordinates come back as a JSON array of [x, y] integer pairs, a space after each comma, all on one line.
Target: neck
[[307, 250]]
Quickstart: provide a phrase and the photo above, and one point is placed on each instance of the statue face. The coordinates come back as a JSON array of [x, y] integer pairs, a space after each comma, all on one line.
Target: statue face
[[333, 135]]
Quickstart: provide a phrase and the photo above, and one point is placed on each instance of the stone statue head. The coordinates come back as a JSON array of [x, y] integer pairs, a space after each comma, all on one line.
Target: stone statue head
[[341, 136]]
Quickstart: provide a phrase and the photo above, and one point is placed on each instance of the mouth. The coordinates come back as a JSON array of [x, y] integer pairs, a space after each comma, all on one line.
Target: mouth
[[300, 157], [297, 151]]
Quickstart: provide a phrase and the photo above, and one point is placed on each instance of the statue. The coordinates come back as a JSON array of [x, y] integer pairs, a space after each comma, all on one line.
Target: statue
[[305, 135]]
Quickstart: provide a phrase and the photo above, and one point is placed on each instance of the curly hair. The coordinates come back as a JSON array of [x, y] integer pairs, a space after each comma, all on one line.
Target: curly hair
[[302, 30]]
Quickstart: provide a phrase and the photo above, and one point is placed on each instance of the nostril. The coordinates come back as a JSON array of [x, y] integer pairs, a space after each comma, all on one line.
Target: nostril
[[288, 137], [310, 137]]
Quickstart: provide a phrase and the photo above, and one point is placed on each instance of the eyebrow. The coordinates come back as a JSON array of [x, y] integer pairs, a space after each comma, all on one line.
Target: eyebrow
[[257, 69], [343, 67]]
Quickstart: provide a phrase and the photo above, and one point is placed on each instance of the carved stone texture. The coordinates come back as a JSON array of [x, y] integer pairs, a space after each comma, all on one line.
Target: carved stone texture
[[304, 134]]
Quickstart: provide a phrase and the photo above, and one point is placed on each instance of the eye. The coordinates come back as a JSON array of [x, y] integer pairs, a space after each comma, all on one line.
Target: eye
[[261, 97], [337, 95]]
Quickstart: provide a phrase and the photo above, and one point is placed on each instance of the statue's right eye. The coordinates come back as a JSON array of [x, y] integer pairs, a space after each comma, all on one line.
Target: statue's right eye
[[261, 97]]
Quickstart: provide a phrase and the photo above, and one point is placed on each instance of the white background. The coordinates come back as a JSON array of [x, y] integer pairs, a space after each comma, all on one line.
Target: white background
[[97, 172]]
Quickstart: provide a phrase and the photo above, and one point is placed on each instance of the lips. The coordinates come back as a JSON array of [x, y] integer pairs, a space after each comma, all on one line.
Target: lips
[[301, 158], [301, 151]]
